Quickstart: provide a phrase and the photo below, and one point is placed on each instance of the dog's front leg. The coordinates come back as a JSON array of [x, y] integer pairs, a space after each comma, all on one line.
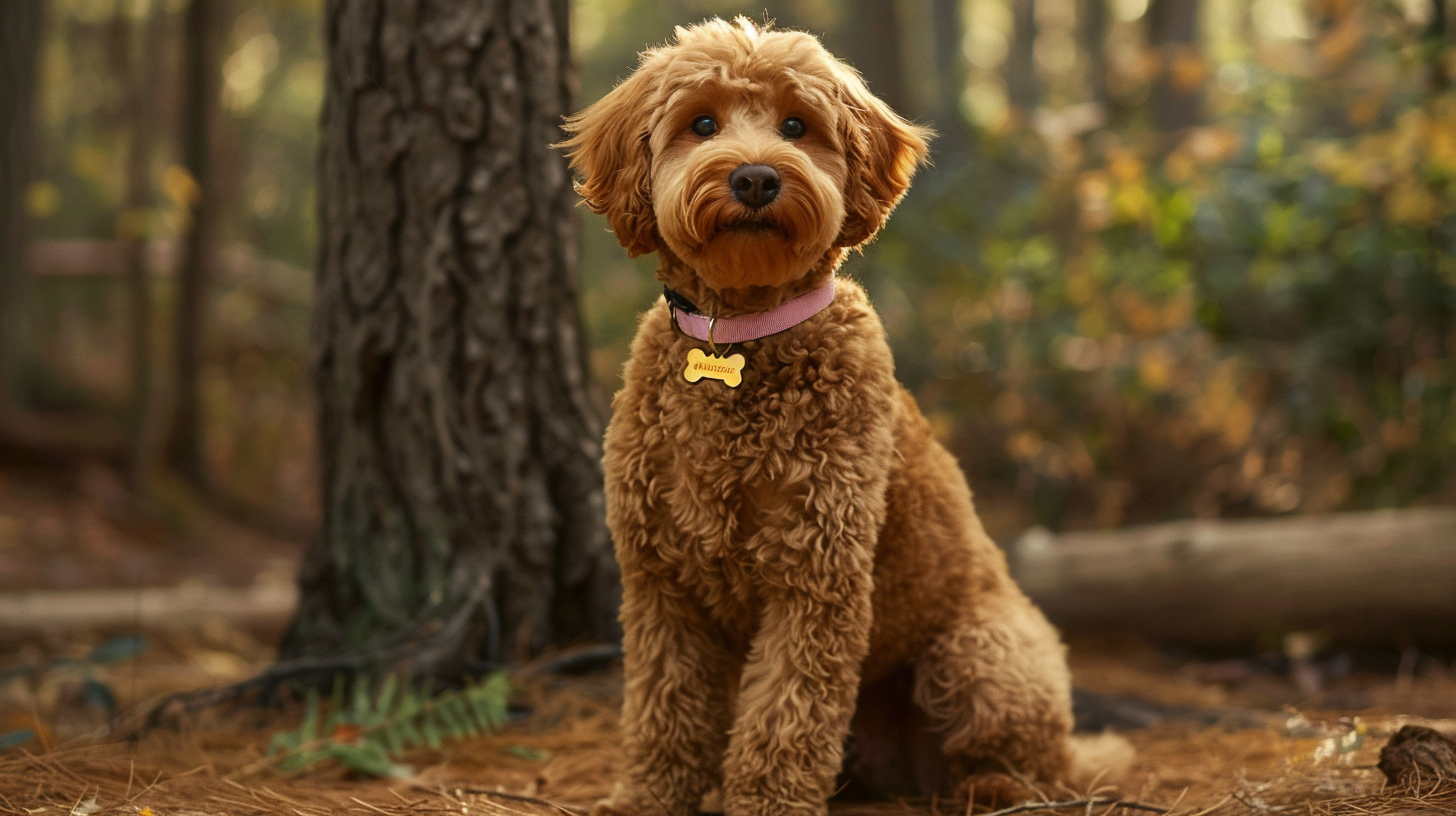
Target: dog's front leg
[[675, 708], [797, 697]]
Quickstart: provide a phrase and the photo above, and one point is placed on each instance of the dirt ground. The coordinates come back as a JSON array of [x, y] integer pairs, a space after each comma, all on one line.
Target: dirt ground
[[1289, 735]]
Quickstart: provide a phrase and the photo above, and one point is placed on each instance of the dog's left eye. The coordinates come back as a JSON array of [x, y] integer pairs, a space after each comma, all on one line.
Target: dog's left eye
[[792, 128], [705, 126]]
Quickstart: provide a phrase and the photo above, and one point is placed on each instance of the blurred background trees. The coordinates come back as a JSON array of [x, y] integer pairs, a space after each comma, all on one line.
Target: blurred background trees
[[1175, 257], [17, 112]]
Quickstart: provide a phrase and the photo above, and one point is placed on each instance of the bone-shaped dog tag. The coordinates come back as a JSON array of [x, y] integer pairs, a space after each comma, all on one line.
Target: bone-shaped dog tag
[[728, 369]]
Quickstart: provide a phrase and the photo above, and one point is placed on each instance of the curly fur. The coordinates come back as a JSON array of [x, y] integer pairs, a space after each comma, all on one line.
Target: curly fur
[[799, 548]]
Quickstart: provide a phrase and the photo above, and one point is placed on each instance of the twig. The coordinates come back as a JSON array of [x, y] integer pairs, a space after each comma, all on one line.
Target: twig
[[515, 797], [565, 661], [1075, 803], [1215, 806], [371, 807], [1141, 806]]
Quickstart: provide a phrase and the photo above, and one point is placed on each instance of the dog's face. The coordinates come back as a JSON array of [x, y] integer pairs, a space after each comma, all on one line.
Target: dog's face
[[750, 154]]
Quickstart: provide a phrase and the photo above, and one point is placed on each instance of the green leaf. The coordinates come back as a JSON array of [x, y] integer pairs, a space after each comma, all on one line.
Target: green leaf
[[12, 739], [480, 706], [99, 695], [450, 719], [393, 739], [309, 730], [336, 700], [284, 741], [411, 732], [362, 705], [303, 759], [395, 718], [118, 649], [368, 758], [386, 698], [533, 754]]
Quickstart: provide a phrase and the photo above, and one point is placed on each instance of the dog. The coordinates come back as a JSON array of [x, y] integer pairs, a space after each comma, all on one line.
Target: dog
[[800, 557]]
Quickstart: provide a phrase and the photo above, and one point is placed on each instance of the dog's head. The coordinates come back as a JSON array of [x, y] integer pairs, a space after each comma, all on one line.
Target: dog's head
[[750, 154]]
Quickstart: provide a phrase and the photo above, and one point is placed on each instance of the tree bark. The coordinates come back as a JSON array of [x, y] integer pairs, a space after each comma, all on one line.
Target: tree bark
[[1092, 25], [1372, 578], [1177, 94], [952, 134], [1023, 86], [868, 36], [200, 95], [459, 434], [1437, 38], [142, 76], [21, 22]]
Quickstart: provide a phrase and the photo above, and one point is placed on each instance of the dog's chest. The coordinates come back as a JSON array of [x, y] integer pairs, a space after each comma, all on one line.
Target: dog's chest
[[727, 475]]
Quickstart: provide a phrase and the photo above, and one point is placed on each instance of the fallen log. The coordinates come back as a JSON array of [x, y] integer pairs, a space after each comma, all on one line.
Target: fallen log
[[46, 436], [1381, 578], [265, 602]]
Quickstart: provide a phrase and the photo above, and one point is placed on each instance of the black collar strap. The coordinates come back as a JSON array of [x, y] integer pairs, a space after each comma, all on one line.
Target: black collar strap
[[675, 299]]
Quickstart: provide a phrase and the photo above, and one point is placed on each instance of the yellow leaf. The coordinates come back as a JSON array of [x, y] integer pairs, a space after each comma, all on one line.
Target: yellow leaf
[[179, 185], [42, 198], [1155, 367]]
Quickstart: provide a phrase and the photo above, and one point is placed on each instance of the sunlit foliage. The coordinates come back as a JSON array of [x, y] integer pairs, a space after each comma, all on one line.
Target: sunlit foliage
[[1110, 321]]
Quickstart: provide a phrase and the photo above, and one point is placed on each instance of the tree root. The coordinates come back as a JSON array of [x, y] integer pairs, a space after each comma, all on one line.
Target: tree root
[[423, 649]]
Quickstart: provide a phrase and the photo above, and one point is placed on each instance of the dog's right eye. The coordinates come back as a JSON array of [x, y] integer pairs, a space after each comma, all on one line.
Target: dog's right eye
[[705, 126]]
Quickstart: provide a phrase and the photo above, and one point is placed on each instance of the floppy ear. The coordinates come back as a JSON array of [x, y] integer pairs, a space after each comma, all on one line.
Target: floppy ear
[[607, 145], [883, 152]]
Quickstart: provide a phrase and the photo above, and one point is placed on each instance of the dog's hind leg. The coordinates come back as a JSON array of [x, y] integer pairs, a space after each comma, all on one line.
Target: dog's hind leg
[[998, 689]]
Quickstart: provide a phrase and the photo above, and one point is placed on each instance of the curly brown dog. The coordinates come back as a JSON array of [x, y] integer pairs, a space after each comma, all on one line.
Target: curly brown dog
[[797, 544]]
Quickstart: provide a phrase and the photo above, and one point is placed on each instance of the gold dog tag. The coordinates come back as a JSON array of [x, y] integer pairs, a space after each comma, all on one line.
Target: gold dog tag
[[728, 369]]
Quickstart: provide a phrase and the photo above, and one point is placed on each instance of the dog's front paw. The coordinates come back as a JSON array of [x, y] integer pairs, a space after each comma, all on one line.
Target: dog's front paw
[[618, 805], [995, 790], [765, 806]]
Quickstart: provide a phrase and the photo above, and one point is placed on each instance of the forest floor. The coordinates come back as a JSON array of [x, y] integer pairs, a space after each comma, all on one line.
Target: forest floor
[[1252, 735]]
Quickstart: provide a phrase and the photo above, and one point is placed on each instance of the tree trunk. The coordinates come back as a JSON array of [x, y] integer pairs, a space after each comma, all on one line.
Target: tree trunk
[[1373, 578], [1177, 95], [1023, 86], [142, 77], [200, 93], [458, 430], [952, 135], [1092, 22], [868, 37], [1437, 38], [21, 22]]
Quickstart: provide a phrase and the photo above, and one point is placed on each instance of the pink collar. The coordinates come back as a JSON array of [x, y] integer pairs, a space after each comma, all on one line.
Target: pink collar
[[742, 328]]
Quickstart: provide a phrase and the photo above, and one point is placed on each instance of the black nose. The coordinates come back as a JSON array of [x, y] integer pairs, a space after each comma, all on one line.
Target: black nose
[[754, 184]]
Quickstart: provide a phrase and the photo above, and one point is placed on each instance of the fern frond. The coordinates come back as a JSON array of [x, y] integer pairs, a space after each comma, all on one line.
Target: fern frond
[[365, 731]]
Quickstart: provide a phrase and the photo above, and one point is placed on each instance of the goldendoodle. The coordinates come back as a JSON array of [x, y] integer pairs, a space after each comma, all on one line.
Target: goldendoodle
[[800, 557]]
